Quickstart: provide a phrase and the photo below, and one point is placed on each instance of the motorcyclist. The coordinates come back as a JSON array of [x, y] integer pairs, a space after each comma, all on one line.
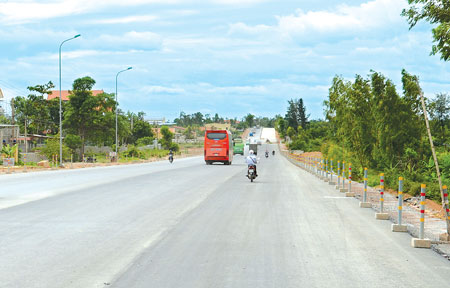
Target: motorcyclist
[[252, 160], [267, 154], [273, 152], [170, 154]]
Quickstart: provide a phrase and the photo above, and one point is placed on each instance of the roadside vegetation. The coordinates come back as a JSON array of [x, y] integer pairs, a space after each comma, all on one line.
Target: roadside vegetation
[[87, 120], [370, 124]]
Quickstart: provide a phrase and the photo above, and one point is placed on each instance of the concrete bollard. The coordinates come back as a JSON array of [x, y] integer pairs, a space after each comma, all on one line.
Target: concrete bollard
[[364, 203], [25, 163], [314, 166], [317, 167], [421, 242], [382, 215], [331, 173], [343, 189], [349, 193], [445, 236], [400, 227], [322, 168], [326, 171], [338, 175]]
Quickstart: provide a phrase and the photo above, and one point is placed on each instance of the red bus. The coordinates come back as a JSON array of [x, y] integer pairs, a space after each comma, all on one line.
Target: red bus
[[218, 146]]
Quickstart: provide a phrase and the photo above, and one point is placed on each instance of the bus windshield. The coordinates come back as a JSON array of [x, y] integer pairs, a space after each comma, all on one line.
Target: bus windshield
[[216, 136]]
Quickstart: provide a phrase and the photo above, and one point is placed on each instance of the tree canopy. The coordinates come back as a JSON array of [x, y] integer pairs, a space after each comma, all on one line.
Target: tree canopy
[[435, 12]]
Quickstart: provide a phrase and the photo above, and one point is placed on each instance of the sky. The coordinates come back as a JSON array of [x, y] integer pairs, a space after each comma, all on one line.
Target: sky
[[230, 57]]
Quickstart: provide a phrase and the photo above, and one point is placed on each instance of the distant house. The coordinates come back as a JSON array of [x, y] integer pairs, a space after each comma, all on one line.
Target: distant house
[[176, 130], [65, 94]]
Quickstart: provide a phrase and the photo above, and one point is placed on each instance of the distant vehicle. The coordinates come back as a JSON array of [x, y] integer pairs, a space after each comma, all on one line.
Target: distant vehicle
[[254, 147], [218, 147], [251, 173], [251, 134], [238, 146]]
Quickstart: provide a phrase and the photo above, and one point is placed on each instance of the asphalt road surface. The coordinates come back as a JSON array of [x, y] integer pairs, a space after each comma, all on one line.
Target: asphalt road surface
[[187, 224]]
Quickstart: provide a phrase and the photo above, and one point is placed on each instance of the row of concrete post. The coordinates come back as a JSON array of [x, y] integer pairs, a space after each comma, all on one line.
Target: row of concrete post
[[320, 168]]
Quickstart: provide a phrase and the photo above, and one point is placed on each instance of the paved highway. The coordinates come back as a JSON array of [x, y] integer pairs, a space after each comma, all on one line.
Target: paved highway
[[192, 225]]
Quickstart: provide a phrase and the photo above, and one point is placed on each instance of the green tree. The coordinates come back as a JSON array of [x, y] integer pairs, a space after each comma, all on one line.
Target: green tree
[[73, 142], [296, 114], [435, 12], [90, 117], [249, 120], [290, 132], [281, 126], [51, 148], [144, 141], [440, 113], [189, 132], [141, 128], [167, 136], [33, 111]]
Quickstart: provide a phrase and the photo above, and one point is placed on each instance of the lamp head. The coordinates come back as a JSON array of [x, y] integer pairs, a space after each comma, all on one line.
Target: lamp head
[[76, 36]]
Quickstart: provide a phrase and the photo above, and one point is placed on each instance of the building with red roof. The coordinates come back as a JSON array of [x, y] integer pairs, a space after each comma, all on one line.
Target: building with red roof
[[65, 94]]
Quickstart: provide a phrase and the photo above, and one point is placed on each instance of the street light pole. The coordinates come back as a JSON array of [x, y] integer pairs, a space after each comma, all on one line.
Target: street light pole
[[60, 100], [117, 111]]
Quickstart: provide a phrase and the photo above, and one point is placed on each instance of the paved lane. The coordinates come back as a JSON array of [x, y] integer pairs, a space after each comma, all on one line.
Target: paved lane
[[192, 225]]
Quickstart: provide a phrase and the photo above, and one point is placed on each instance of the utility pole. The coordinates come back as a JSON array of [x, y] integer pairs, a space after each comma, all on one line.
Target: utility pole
[[13, 121], [434, 157], [12, 112], [26, 135]]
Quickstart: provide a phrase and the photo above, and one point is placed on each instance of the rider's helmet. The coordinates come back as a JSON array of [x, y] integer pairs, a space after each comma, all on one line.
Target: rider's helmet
[[251, 152]]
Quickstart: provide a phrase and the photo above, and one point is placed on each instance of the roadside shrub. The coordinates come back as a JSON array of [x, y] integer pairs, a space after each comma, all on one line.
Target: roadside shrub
[[52, 148], [433, 191], [144, 141], [132, 151], [411, 187], [174, 147], [298, 144]]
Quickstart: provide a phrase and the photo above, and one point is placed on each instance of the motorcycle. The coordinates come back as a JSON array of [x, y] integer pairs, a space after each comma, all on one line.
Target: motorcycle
[[267, 154], [273, 152], [170, 158], [251, 173]]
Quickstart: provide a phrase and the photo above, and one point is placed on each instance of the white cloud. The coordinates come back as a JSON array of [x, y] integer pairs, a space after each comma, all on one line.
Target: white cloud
[[162, 90], [25, 11], [242, 27], [238, 90], [131, 39], [344, 19], [126, 20], [368, 15], [237, 2]]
